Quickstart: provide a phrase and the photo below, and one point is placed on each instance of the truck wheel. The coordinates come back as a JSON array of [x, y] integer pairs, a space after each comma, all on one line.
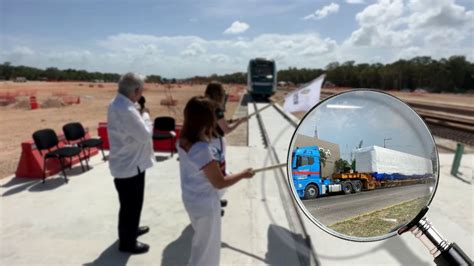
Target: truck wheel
[[311, 192], [356, 186], [347, 187]]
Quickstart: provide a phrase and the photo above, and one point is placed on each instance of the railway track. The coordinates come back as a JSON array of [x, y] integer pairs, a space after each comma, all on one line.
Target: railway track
[[276, 128], [450, 121]]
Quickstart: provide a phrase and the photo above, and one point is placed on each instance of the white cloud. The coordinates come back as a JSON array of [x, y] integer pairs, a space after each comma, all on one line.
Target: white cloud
[[184, 56], [193, 50], [355, 2], [436, 27], [219, 58], [23, 50], [323, 12], [440, 13], [237, 27], [387, 30]]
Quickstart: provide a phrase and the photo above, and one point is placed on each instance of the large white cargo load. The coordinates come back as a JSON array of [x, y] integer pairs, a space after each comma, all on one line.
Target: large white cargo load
[[380, 160]]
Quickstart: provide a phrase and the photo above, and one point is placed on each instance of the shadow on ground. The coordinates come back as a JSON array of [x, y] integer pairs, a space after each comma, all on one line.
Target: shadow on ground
[[394, 246], [50, 184], [283, 248], [283, 245], [177, 252], [18, 184], [110, 256], [160, 158]]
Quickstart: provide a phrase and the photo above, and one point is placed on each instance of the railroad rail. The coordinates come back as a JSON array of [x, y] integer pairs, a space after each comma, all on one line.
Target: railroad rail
[[293, 214], [450, 121]]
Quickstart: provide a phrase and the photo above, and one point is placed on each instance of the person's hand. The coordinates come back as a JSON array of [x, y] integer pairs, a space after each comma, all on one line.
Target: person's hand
[[248, 173], [144, 110], [243, 119]]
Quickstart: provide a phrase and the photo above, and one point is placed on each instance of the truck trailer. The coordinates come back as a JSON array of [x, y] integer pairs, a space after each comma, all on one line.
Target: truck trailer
[[309, 184]]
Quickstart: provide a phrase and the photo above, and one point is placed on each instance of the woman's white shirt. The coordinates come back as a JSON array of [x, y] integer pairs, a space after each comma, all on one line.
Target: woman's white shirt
[[196, 188]]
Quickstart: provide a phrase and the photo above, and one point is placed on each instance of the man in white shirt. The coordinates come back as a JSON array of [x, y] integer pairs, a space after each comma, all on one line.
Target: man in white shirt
[[131, 153]]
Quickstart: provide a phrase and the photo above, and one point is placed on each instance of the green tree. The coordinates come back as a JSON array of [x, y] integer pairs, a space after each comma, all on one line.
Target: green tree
[[340, 165], [153, 78]]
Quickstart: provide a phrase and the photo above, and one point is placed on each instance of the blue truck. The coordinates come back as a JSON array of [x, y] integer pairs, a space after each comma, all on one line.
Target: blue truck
[[309, 183], [306, 172]]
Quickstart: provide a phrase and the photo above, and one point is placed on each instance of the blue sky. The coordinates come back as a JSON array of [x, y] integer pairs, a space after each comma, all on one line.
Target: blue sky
[[186, 38], [371, 117]]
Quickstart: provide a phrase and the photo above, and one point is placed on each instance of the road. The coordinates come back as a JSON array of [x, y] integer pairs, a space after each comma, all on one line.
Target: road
[[334, 208]]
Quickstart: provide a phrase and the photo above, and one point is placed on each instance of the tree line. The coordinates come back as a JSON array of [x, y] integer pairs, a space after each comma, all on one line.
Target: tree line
[[10, 72], [453, 74]]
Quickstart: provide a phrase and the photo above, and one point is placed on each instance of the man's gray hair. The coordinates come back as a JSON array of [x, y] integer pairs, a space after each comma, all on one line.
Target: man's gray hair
[[129, 82]]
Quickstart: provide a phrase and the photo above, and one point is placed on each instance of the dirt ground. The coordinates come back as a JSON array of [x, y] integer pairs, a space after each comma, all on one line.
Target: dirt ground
[[449, 98], [18, 122], [444, 145]]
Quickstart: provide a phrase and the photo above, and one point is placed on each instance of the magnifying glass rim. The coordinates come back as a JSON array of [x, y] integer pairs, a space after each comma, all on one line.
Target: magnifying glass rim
[[300, 203]]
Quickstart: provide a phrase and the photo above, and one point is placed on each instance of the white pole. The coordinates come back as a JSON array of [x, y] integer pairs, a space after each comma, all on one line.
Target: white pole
[[269, 167]]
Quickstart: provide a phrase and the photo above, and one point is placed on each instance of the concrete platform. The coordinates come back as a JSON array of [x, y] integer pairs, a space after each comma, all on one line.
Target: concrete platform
[[75, 223]]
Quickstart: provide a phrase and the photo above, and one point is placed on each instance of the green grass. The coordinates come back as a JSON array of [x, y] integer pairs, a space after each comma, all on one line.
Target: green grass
[[380, 222]]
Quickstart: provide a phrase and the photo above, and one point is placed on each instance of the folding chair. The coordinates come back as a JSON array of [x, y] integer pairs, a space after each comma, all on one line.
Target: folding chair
[[46, 139], [164, 128], [74, 132]]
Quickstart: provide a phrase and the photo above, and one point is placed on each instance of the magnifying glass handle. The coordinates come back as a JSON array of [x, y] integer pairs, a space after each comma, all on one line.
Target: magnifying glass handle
[[454, 255], [445, 253]]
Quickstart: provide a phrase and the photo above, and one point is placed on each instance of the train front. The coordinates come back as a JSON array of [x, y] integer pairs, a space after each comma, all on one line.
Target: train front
[[262, 79]]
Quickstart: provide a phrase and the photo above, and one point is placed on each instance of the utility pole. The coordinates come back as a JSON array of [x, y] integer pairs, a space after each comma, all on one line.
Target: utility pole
[[384, 140]]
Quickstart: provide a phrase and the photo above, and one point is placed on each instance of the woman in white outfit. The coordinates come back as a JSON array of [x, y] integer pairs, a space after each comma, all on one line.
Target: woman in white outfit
[[215, 91], [201, 179]]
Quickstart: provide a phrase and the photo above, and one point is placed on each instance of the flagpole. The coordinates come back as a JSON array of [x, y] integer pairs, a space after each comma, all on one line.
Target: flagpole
[[259, 110], [269, 168]]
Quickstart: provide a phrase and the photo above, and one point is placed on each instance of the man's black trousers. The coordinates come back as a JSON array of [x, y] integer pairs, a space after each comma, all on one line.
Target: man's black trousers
[[130, 192]]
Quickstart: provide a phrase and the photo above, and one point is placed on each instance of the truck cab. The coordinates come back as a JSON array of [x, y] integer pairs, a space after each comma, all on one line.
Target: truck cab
[[306, 171]]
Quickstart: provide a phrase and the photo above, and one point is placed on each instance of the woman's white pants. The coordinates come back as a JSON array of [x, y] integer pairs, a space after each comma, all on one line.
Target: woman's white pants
[[206, 222]]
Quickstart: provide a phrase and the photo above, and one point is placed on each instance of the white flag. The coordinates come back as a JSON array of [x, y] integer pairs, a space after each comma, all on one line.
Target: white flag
[[305, 98]]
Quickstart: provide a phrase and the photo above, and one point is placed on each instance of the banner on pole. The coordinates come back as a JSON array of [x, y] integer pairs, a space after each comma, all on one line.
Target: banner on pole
[[305, 98]]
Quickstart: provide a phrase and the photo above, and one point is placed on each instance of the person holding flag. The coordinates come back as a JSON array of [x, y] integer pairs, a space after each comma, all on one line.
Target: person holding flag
[[201, 180], [216, 93]]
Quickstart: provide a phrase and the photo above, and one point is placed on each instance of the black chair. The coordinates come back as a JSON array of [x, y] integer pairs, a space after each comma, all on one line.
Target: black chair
[[74, 132], [46, 139], [166, 125]]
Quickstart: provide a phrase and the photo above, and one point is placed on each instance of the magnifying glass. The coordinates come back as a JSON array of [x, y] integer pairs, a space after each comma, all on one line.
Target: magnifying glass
[[363, 166]]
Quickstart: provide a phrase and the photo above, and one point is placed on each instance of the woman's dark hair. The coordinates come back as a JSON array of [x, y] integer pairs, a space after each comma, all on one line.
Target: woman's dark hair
[[199, 115], [142, 102], [215, 91]]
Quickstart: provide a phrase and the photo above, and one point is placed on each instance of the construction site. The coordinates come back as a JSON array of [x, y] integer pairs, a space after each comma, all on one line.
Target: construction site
[[48, 223]]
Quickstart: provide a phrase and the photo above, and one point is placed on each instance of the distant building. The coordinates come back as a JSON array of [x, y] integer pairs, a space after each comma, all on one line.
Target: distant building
[[328, 84], [329, 168], [20, 79]]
